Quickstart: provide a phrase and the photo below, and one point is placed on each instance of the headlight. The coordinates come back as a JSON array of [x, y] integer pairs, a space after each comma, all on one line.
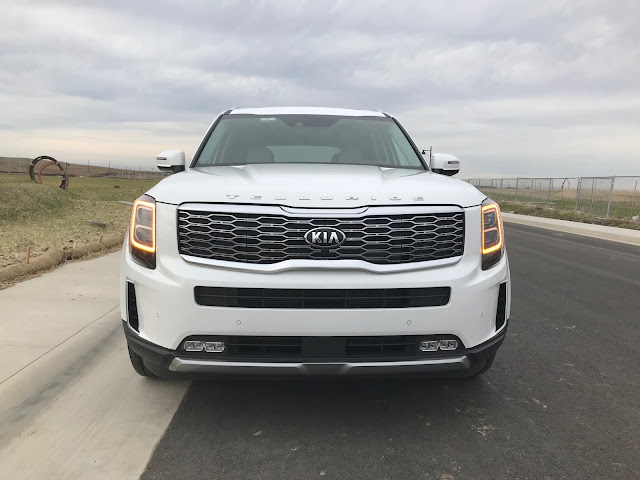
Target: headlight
[[142, 231], [492, 234]]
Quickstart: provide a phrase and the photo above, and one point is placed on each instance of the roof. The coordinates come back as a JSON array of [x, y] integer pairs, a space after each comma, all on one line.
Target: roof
[[344, 112]]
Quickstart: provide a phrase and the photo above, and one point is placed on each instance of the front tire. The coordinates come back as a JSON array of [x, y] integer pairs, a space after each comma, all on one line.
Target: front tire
[[137, 362], [487, 365]]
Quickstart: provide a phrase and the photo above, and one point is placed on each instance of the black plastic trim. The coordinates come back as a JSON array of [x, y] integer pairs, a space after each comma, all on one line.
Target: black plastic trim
[[316, 298], [149, 351], [320, 348], [162, 357], [501, 311], [132, 307]]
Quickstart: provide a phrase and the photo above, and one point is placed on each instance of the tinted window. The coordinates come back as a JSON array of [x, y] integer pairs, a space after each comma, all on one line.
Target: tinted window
[[250, 139]]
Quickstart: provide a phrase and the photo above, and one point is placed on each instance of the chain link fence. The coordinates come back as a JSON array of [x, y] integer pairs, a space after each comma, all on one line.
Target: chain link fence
[[615, 197], [20, 166]]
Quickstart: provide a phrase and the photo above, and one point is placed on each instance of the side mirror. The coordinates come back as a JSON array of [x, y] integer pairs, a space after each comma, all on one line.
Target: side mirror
[[170, 161], [445, 164]]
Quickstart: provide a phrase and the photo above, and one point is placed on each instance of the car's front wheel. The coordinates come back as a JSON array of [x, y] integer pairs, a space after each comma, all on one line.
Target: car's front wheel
[[138, 365], [487, 365]]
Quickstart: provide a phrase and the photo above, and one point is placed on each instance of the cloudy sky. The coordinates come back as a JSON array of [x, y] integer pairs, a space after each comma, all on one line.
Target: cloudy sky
[[512, 88]]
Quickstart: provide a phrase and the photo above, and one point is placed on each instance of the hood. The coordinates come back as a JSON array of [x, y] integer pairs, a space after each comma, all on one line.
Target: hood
[[314, 186]]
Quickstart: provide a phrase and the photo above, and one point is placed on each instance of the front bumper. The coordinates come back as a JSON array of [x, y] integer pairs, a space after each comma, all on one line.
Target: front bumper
[[167, 312], [171, 363]]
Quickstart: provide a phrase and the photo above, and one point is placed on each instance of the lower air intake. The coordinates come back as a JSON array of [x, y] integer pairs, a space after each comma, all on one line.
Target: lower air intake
[[502, 306], [312, 298], [132, 307]]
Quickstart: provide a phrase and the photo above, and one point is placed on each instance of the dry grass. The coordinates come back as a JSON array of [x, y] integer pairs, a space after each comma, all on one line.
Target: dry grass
[[41, 216], [624, 203], [544, 211]]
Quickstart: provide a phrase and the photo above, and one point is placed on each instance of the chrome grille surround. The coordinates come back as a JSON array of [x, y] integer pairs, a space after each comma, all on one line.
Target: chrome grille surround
[[266, 236]]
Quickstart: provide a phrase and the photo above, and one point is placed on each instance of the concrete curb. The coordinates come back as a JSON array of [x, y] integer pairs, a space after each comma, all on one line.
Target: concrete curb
[[56, 256], [49, 259], [615, 234]]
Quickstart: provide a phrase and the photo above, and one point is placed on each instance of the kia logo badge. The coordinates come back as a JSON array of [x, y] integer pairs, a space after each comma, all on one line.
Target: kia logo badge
[[325, 237]]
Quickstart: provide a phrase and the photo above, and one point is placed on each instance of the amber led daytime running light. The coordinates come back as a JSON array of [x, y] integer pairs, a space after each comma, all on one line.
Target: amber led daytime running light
[[141, 246], [498, 227]]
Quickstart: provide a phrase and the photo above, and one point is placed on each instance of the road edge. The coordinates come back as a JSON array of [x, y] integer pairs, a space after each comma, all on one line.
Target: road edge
[[614, 234]]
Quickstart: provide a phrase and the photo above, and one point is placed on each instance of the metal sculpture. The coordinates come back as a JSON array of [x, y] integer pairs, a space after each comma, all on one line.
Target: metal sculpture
[[64, 184]]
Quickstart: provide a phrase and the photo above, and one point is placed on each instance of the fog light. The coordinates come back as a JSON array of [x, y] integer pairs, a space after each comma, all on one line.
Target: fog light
[[194, 345], [448, 344], [215, 347], [429, 346]]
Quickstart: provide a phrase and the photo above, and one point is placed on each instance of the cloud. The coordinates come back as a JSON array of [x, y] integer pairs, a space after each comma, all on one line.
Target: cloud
[[533, 88]]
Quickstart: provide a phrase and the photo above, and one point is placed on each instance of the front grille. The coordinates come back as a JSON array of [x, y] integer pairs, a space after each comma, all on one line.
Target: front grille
[[271, 238], [311, 298], [392, 345], [264, 346], [275, 349]]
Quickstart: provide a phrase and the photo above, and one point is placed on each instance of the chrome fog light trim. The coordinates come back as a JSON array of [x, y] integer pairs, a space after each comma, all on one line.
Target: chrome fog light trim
[[214, 347], [194, 345], [429, 346], [448, 344]]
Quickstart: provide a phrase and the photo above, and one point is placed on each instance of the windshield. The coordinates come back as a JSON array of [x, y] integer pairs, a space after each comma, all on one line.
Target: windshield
[[250, 139]]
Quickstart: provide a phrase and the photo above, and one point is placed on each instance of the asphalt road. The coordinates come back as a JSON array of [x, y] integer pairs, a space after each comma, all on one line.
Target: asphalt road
[[561, 401]]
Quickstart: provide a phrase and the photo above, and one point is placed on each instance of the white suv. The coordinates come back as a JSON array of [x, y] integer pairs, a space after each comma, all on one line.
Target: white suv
[[313, 241]]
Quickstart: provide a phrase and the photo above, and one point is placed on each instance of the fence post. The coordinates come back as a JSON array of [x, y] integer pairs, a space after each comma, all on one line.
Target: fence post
[[633, 200], [613, 182], [579, 188], [501, 197], [550, 187], [517, 183]]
